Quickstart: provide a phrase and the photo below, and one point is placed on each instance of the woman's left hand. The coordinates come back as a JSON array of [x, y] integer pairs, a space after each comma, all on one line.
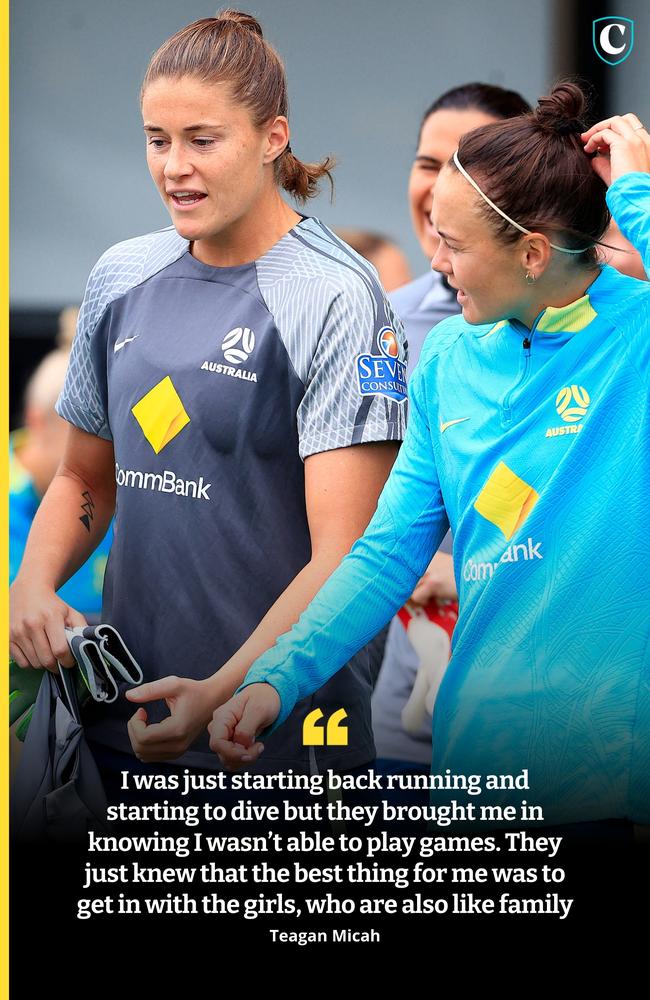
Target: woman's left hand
[[190, 703], [236, 724], [622, 144]]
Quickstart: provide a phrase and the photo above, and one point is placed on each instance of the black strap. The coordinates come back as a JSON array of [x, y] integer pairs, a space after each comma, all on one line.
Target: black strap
[[68, 691]]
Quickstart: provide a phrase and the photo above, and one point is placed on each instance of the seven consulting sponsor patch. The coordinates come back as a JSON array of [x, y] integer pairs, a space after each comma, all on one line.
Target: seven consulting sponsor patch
[[383, 374]]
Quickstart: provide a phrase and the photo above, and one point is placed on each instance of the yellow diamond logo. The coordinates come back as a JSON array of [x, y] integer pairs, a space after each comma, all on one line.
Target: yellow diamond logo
[[161, 414], [506, 500]]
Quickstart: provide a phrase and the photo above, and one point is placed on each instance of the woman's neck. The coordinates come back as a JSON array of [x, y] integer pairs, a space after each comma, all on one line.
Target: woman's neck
[[560, 292], [250, 237]]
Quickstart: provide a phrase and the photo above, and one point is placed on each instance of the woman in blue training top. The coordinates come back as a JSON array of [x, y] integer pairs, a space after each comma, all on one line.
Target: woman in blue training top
[[529, 436], [421, 305]]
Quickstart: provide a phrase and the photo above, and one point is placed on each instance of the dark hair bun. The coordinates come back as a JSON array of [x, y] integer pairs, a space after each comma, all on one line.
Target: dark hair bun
[[239, 17], [563, 111]]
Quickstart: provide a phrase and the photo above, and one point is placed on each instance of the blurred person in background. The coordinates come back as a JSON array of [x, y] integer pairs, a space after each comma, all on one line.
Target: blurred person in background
[[383, 253], [67, 327], [428, 299], [401, 719], [35, 453]]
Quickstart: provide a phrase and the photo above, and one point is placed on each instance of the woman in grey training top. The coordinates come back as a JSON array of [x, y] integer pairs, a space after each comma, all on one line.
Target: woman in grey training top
[[214, 392]]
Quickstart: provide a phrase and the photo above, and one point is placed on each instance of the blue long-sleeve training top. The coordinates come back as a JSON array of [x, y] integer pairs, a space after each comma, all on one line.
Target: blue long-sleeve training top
[[533, 446]]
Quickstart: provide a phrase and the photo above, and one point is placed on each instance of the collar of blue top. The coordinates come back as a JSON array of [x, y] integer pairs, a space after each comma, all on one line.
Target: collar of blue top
[[570, 318]]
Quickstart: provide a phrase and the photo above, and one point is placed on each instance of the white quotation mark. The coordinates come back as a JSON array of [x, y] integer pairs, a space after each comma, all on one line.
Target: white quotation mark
[[238, 344]]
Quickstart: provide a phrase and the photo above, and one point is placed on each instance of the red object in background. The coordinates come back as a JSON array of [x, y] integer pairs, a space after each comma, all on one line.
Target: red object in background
[[442, 613]]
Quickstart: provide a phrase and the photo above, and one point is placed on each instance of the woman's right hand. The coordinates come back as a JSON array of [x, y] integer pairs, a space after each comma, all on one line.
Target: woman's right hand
[[622, 144], [37, 623], [438, 581], [236, 723]]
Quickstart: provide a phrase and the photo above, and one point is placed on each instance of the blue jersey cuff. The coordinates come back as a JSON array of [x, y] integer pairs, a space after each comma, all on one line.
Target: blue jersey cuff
[[628, 199], [255, 676]]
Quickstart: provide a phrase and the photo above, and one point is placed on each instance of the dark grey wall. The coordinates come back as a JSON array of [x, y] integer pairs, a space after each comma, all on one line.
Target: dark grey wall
[[630, 81], [360, 75]]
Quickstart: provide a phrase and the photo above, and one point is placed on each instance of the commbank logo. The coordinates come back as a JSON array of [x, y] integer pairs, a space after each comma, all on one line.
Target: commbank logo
[[161, 414], [165, 481], [238, 345], [522, 552], [613, 38], [506, 500]]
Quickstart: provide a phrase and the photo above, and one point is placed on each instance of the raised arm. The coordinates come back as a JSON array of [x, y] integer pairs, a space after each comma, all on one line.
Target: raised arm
[[622, 145]]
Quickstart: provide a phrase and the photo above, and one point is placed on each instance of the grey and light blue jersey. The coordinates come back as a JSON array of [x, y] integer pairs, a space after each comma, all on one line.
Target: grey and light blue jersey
[[214, 385]]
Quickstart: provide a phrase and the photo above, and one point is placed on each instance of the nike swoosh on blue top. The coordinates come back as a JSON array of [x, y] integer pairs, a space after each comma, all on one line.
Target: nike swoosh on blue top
[[450, 423]]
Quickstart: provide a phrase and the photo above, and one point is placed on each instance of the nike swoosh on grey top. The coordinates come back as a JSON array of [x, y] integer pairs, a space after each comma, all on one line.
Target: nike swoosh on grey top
[[118, 347]]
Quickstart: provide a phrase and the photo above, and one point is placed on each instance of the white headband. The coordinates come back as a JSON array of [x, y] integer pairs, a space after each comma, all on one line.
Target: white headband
[[503, 214]]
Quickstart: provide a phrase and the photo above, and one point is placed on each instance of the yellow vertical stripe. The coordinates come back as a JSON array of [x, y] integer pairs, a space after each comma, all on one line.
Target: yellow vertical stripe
[[4, 697]]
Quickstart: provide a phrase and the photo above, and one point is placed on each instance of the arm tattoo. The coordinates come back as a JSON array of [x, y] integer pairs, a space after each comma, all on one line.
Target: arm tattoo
[[89, 510]]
